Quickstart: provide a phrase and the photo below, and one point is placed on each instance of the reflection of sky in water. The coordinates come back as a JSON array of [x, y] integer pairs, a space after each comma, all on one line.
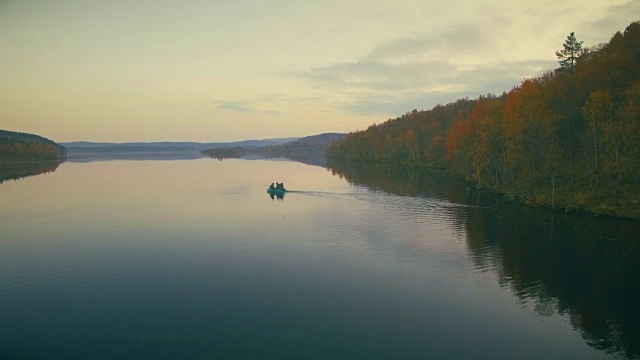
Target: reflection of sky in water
[[200, 245]]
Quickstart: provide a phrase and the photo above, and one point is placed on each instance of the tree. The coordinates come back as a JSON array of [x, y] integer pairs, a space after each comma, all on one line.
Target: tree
[[597, 112], [456, 145], [629, 133], [572, 50], [486, 139]]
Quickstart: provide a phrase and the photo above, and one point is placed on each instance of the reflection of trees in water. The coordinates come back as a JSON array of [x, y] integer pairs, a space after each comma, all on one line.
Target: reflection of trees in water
[[317, 159], [310, 158], [14, 171], [577, 265], [403, 180], [587, 268]]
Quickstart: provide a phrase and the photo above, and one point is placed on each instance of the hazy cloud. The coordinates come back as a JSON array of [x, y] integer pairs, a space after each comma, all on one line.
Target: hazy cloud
[[373, 104], [237, 106], [369, 75], [290, 99], [616, 18], [448, 43], [242, 106], [371, 87], [424, 70]]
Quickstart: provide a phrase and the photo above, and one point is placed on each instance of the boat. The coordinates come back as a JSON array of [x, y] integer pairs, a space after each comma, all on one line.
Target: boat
[[276, 191]]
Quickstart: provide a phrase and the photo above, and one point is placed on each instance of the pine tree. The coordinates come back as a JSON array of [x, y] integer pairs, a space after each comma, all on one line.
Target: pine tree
[[572, 49]]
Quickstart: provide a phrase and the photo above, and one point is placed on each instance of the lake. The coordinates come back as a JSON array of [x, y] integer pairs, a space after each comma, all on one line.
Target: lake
[[191, 259]]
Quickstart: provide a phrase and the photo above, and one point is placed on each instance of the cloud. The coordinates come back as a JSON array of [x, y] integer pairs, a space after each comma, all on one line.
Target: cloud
[[447, 43], [427, 69], [370, 75], [372, 104], [615, 18], [499, 77], [370, 87], [242, 106], [491, 49], [290, 99], [236, 106]]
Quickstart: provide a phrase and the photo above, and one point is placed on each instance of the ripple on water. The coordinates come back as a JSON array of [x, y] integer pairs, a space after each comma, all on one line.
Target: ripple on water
[[399, 228]]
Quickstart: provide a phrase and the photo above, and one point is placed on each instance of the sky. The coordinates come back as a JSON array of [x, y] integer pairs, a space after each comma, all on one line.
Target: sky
[[227, 70]]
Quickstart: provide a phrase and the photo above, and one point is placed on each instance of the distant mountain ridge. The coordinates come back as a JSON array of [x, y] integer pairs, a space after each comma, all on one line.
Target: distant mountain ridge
[[307, 144], [84, 151], [78, 146], [303, 149]]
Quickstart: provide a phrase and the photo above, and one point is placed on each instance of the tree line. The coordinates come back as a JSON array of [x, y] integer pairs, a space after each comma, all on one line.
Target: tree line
[[23, 147], [568, 138]]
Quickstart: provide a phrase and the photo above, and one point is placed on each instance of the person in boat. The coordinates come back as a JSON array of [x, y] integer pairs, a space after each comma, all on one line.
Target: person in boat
[[280, 186], [271, 187]]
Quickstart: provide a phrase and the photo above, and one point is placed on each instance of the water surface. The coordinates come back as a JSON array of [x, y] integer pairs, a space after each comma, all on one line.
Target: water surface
[[191, 259]]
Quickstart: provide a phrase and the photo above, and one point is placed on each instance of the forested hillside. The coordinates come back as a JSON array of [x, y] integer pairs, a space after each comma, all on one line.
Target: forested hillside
[[308, 145], [22, 147], [569, 138]]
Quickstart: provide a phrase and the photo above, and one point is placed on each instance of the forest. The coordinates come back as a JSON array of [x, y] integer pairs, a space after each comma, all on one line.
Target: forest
[[17, 147], [569, 138]]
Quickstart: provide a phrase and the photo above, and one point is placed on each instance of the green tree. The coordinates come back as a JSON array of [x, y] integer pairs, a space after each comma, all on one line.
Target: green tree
[[568, 56]]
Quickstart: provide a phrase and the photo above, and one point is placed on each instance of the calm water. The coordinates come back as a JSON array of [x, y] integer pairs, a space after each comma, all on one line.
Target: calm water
[[191, 259]]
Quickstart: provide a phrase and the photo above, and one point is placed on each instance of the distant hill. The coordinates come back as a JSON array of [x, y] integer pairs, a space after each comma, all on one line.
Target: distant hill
[[305, 148], [81, 151], [79, 146], [306, 144], [314, 141], [24, 147]]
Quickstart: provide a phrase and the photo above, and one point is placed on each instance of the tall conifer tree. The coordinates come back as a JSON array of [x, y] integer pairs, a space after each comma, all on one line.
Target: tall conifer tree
[[568, 56]]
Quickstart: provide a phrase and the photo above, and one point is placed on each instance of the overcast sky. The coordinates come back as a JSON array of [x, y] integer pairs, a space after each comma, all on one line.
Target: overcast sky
[[225, 70]]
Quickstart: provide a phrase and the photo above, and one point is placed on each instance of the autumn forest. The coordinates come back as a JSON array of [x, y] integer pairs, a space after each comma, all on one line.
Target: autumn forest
[[569, 138]]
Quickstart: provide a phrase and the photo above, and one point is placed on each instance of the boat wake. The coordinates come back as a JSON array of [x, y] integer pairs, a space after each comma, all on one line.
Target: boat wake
[[313, 193], [367, 196]]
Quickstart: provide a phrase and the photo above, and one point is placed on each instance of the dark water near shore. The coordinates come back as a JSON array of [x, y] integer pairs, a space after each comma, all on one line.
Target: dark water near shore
[[191, 259]]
